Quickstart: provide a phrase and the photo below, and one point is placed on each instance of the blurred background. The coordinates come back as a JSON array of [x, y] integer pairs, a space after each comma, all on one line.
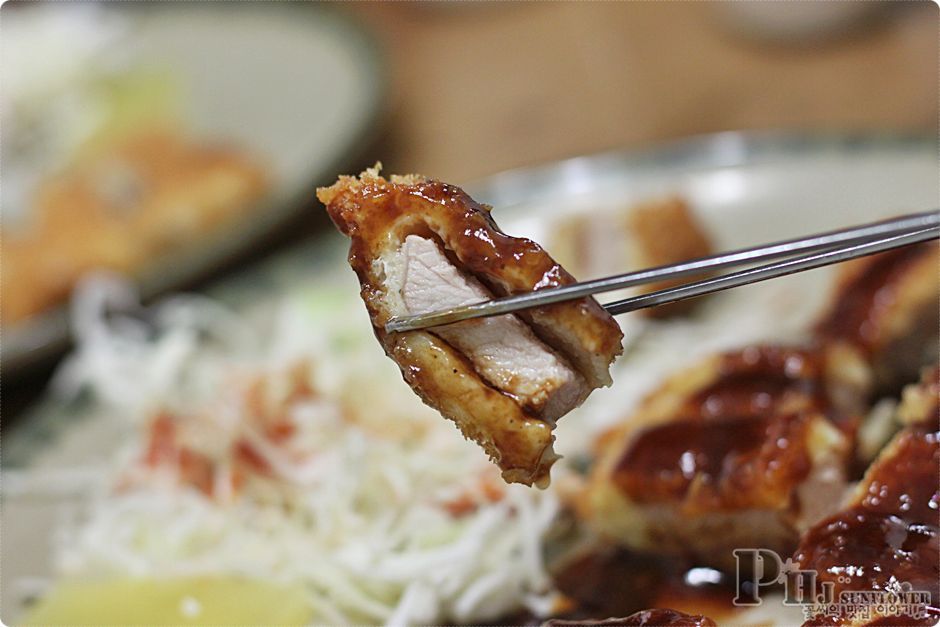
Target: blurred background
[[180, 143]]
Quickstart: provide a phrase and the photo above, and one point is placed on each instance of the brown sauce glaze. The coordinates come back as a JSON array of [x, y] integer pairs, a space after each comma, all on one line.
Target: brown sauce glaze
[[860, 304], [415, 205], [378, 214], [741, 436], [617, 582], [909, 486], [759, 379], [859, 550], [892, 535], [723, 461]]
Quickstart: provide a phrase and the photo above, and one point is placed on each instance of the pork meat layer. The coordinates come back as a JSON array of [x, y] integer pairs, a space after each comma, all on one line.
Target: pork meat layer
[[884, 315], [887, 537], [420, 245], [745, 448]]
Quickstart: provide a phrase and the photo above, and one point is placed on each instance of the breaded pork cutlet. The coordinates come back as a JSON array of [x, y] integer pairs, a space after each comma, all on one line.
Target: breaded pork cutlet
[[746, 448], [152, 193], [887, 536], [653, 233], [883, 315], [664, 232], [420, 245]]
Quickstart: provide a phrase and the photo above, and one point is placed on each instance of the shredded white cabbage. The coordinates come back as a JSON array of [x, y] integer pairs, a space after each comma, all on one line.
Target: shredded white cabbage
[[373, 501]]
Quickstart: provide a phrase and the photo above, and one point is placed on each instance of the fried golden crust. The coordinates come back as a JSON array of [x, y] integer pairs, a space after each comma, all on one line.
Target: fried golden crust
[[148, 194], [920, 402], [744, 447], [888, 534], [581, 330], [884, 309], [519, 444], [378, 214], [665, 231]]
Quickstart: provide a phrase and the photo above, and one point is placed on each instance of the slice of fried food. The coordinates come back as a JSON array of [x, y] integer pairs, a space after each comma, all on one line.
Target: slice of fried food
[[666, 232], [151, 193], [652, 233], [420, 245], [887, 538], [744, 449], [920, 402], [884, 314]]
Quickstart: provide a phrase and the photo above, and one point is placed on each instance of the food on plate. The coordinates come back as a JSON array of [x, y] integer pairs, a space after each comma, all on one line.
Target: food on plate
[[644, 235], [665, 232], [146, 194], [883, 313], [887, 537], [420, 245], [646, 618], [284, 448], [746, 448], [920, 402]]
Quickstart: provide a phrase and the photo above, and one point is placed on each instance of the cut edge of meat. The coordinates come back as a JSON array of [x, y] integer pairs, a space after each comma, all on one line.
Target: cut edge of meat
[[552, 388], [581, 330]]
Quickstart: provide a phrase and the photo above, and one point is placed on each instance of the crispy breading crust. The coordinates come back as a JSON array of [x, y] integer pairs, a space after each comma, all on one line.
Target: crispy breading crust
[[377, 214], [726, 417], [884, 311], [665, 231], [886, 533], [146, 195]]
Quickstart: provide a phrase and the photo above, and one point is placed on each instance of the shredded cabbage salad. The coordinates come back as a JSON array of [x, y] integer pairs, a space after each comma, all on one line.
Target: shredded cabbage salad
[[285, 446], [278, 442]]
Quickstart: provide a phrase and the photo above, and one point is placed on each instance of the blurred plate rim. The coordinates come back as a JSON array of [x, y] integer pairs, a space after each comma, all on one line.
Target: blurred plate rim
[[706, 150], [28, 345]]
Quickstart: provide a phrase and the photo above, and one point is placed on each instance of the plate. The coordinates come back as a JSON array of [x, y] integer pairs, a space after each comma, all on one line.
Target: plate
[[299, 86], [745, 188]]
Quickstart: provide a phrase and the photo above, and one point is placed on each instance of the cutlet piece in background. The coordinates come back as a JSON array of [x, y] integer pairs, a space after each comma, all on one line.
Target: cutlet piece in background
[[653, 233], [920, 402], [420, 245], [145, 195], [746, 448], [884, 315], [887, 534], [665, 232]]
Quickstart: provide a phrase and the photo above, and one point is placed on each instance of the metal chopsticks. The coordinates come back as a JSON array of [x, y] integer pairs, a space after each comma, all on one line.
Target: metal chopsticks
[[816, 251]]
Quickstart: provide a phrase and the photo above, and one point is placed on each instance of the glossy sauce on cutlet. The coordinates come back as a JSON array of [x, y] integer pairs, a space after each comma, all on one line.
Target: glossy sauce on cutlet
[[482, 246], [617, 582], [858, 549], [504, 264], [909, 485], [754, 381], [859, 305], [730, 434], [892, 535], [723, 458]]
